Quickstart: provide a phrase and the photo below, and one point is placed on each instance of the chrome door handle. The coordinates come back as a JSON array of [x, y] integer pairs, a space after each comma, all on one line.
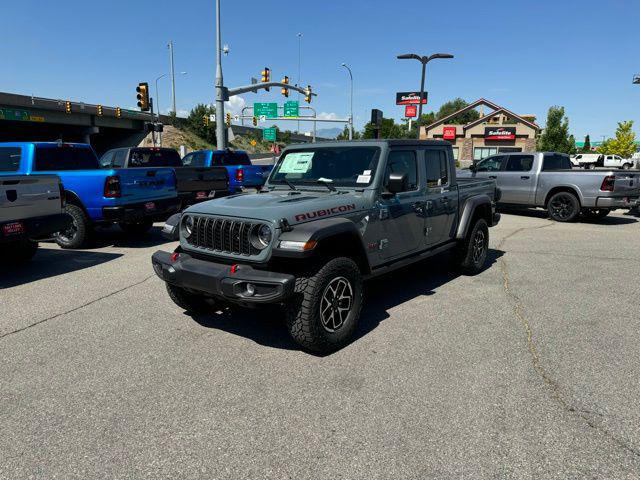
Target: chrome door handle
[[525, 177], [491, 176]]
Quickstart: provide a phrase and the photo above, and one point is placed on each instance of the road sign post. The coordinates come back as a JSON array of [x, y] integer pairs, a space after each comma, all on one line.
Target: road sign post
[[269, 110], [291, 109], [269, 134]]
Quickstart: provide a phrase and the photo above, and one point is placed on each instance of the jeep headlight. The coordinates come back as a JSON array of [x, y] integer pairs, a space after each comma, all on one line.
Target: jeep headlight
[[188, 225], [261, 236]]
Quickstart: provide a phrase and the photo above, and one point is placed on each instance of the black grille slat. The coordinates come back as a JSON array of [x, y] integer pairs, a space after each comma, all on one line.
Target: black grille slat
[[226, 236]]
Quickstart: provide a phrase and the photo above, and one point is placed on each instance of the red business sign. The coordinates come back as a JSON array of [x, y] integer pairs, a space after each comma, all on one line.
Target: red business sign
[[410, 111], [500, 133], [449, 133], [410, 98]]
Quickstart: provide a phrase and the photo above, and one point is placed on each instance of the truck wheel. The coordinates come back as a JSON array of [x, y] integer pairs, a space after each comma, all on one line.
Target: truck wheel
[[596, 213], [138, 228], [563, 207], [590, 166], [472, 254], [188, 301], [324, 313], [21, 251], [626, 166], [77, 234]]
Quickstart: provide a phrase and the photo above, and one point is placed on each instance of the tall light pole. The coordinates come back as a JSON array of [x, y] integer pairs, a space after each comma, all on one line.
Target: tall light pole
[[299, 83], [424, 60], [221, 139], [173, 75], [350, 101], [157, 95]]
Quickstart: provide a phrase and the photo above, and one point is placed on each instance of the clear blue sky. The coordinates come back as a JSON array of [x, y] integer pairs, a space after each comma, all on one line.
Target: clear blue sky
[[523, 55]]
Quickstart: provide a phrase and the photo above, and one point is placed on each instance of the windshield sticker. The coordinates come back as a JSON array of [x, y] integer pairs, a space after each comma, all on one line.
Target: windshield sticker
[[363, 179], [366, 172], [296, 162]]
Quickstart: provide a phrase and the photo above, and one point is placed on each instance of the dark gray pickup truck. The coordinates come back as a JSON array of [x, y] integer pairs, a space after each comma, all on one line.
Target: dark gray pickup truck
[[330, 216]]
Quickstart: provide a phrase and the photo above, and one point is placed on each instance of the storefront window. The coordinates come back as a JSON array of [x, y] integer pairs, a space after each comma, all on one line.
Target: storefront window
[[483, 152], [455, 153]]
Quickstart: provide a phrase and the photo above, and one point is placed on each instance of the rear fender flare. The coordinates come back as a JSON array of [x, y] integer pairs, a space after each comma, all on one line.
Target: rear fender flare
[[468, 211]]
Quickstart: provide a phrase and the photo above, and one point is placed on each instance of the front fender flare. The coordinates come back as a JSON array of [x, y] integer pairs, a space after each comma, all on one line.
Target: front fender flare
[[317, 231]]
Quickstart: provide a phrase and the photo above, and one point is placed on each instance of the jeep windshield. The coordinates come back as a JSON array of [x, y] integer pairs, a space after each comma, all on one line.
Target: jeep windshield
[[339, 166]]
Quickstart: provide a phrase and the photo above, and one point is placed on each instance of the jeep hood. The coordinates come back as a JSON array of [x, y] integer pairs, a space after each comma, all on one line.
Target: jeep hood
[[296, 206]]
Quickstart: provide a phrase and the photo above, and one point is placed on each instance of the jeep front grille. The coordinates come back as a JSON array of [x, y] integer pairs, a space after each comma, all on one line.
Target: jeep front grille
[[223, 235]]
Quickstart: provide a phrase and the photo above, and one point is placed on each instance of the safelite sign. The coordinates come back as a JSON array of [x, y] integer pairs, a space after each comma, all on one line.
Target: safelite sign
[[500, 133], [410, 98]]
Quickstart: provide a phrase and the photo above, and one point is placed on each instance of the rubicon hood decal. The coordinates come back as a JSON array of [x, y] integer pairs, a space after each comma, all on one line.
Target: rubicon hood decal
[[301, 217]]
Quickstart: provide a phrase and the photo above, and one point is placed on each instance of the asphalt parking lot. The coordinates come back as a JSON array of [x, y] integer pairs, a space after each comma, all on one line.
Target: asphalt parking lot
[[528, 370]]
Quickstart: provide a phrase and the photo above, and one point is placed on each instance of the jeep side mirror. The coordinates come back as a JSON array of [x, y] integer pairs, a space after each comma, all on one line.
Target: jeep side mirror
[[398, 182]]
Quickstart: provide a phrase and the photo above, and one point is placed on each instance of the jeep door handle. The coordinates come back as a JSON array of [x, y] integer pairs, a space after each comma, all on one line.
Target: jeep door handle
[[525, 177], [418, 207], [446, 200], [491, 176]]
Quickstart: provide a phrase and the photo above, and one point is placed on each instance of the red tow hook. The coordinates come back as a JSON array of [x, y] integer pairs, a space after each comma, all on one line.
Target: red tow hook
[[174, 257], [234, 268]]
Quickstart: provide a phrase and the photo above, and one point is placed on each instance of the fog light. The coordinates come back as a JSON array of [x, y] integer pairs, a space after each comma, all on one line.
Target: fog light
[[251, 289]]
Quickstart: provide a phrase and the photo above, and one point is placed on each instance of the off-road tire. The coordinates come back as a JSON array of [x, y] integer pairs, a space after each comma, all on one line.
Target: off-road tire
[[470, 259], [138, 228], [303, 309], [596, 213], [191, 302], [78, 233], [21, 251], [563, 207]]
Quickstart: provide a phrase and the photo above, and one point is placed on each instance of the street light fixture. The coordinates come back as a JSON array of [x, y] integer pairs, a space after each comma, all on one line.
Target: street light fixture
[[636, 79], [350, 101], [423, 60]]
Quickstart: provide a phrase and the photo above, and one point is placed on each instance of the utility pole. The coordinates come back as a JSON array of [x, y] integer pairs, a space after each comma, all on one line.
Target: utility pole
[[173, 76], [221, 139], [299, 83], [351, 102]]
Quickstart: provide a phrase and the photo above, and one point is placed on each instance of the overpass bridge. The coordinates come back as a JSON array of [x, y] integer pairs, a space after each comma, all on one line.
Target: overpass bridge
[[28, 118]]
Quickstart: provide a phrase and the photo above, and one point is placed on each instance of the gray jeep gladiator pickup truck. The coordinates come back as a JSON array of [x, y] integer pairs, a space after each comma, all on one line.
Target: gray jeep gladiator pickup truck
[[330, 216]]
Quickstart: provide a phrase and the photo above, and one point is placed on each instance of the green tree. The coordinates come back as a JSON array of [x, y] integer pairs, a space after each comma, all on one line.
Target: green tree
[[453, 106], [344, 134], [586, 148], [572, 142], [389, 129], [196, 122], [555, 136], [624, 143]]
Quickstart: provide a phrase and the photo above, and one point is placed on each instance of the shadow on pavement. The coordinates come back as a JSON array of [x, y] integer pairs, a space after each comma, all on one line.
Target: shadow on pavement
[[51, 262], [266, 326], [114, 237], [542, 214]]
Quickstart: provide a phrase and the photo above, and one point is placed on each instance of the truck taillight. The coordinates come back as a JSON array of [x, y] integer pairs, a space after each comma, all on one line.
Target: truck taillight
[[112, 187], [608, 183], [239, 175]]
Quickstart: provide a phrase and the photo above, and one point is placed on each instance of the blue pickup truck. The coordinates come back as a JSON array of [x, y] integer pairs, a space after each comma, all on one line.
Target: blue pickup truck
[[133, 198], [242, 174]]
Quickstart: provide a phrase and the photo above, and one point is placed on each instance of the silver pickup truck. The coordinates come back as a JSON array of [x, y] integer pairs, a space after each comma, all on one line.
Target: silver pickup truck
[[31, 208], [546, 180]]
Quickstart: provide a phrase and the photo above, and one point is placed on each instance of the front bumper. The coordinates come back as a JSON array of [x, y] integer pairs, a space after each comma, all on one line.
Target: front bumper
[[37, 228], [495, 219], [617, 202], [136, 212], [222, 281]]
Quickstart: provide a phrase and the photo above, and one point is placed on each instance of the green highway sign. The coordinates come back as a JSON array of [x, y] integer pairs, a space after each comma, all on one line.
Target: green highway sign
[[269, 110], [269, 134], [291, 109], [18, 115]]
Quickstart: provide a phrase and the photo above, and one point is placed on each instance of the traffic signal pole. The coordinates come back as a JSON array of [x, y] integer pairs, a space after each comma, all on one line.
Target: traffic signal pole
[[221, 138]]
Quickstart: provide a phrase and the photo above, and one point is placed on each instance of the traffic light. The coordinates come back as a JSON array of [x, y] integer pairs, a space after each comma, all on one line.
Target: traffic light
[[118, 112], [266, 76], [228, 119], [205, 120], [67, 106], [99, 109], [307, 94], [255, 121], [143, 96], [285, 90]]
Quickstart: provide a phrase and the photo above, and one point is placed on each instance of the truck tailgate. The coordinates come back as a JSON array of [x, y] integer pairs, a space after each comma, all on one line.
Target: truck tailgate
[[23, 196], [195, 179], [254, 175], [627, 184], [141, 184]]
